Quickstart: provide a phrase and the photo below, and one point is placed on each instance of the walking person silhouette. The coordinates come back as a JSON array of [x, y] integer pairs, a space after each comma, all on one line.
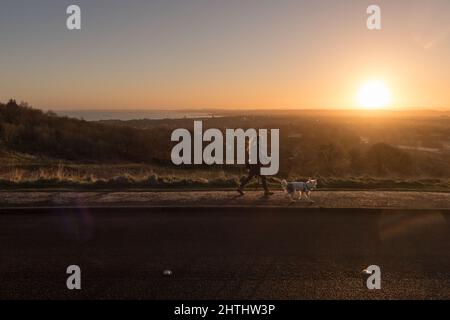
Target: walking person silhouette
[[254, 171]]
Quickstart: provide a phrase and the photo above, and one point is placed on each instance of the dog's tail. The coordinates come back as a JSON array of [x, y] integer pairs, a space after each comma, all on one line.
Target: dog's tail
[[284, 184]]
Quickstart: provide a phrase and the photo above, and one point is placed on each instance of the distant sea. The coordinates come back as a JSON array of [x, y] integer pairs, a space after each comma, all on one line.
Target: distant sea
[[96, 115]]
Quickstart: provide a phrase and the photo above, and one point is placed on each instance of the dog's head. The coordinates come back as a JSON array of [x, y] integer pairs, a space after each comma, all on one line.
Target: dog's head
[[284, 184], [312, 184]]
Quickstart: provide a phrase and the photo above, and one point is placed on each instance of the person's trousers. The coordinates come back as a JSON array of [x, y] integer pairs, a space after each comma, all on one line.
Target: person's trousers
[[252, 175]]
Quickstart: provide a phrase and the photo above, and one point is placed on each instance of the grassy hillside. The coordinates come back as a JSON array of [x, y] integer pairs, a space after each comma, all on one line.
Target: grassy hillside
[[349, 150], [27, 130]]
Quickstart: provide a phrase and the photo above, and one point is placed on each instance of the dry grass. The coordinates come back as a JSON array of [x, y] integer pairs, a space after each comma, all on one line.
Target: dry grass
[[126, 175], [150, 176]]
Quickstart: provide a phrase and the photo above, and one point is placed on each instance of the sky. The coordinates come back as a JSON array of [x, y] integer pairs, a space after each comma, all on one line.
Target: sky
[[237, 54]]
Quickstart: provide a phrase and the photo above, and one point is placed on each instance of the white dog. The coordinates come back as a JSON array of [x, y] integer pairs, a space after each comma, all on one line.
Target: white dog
[[300, 188]]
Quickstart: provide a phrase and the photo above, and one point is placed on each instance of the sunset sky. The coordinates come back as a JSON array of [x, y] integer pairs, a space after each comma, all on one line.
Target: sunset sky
[[138, 54]]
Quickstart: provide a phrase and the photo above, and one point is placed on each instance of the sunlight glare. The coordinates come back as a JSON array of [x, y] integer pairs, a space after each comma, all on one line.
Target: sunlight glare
[[373, 95]]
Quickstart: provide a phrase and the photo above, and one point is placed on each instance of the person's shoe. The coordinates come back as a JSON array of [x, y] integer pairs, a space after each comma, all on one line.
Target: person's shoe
[[240, 191]]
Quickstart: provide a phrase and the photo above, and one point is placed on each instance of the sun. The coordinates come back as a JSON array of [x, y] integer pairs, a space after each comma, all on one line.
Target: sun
[[374, 94]]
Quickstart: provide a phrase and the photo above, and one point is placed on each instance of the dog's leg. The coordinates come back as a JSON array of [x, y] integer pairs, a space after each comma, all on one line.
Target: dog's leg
[[287, 195], [309, 197], [291, 196]]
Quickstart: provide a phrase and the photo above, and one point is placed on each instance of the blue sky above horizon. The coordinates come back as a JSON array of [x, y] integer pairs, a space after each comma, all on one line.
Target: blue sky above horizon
[[222, 54]]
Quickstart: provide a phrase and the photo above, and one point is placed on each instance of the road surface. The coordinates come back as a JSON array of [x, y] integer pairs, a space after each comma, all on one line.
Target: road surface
[[224, 253]]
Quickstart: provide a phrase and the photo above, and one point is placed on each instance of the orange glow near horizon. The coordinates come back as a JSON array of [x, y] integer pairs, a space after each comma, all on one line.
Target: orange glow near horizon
[[227, 55], [374, 94]]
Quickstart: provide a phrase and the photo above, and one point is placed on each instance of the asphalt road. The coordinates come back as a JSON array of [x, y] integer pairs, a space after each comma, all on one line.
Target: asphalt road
[[224, 253]]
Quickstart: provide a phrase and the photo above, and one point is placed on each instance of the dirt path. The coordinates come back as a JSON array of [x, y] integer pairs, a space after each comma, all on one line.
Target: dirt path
[[325, 199]]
